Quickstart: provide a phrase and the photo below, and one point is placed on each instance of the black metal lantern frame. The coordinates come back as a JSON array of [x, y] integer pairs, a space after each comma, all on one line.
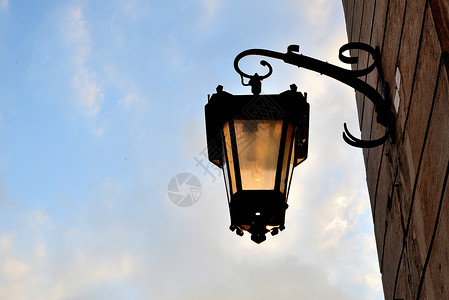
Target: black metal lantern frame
[[257, 140]]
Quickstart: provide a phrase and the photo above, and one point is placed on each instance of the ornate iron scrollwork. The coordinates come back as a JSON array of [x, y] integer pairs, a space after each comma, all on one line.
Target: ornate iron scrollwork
[[385, 116]]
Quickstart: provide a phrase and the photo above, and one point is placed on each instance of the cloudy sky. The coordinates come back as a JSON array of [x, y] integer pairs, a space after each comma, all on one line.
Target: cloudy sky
[[102, 104]]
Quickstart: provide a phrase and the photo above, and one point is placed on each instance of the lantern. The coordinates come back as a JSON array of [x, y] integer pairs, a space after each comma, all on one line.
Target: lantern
[[257, 140]]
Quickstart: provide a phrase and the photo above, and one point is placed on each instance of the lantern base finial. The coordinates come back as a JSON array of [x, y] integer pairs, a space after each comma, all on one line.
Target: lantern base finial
[[258, 238]]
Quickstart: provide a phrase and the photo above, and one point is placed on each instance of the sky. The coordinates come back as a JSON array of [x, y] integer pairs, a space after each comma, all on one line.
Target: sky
[[102, 105]]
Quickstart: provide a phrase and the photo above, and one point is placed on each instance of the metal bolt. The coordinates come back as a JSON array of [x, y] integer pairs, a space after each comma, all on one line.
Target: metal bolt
[[293, 87]]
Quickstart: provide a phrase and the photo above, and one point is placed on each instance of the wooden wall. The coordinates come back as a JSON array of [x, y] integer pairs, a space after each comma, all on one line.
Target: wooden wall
[[408, 180]]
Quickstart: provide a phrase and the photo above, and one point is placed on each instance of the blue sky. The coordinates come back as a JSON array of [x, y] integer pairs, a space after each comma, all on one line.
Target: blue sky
[[102, 103]]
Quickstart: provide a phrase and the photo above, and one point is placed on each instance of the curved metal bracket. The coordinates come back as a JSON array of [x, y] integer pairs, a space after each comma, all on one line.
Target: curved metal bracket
[[385, 116], [353, 141]]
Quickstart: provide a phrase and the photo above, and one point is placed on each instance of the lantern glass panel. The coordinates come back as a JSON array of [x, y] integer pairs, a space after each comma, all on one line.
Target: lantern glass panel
[[258, 151], [287, 158], [290, 170], [229, 161], [226, 178]]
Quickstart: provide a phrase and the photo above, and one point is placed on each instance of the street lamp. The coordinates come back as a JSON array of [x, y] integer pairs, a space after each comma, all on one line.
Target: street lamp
[[257, 139]]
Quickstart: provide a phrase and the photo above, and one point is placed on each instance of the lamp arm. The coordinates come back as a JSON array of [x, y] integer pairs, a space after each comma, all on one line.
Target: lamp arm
[[385, 116]]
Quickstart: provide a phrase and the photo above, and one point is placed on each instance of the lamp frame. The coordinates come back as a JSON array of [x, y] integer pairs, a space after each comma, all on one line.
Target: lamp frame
[[261, 211], [257, 211]]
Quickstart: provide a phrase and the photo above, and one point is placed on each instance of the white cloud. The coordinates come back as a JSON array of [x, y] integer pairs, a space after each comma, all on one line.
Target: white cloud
[[85, 82], [136, 9], [79, 33], [132, 99], [41, 250], [317, 12], [32, 268], [6, 242], [3, 197], [14, 269], [87, 271], [185, 254], [211, 7], [126, 101], [4, 4], [98, 131], [90, 93], [38, 217]]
